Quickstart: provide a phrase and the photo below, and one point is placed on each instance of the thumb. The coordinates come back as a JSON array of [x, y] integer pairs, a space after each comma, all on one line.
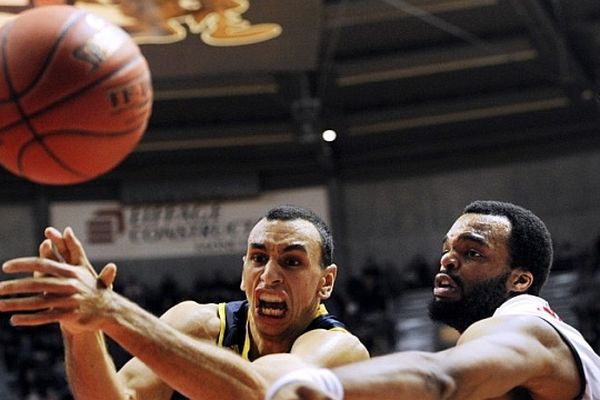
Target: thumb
[[107, 275]]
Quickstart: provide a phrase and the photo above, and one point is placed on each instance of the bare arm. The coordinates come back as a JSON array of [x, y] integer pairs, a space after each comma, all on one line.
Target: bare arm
[[136, 380], [492, 358], [195, 367], [90, 369]]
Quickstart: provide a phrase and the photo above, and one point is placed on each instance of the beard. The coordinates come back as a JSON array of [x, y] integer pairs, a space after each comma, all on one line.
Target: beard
[[480, 303]]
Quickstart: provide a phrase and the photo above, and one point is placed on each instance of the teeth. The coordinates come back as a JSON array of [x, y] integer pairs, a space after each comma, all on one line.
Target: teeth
[[279, 305], [272, 312], [444, 282], [270, 298], [272, 309]]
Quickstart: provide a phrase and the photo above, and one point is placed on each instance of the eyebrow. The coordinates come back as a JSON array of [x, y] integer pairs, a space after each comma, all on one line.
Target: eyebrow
[[291, 247], [258, 246], [470, 237]]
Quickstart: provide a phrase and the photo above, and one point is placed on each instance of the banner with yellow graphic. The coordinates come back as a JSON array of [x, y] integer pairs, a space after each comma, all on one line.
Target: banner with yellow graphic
[[187, 37]]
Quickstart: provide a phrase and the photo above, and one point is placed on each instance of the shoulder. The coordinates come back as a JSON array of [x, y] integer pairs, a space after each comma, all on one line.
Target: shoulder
[[530, 327], [329, 348], [195, 319], [526, 346], [528, 336]]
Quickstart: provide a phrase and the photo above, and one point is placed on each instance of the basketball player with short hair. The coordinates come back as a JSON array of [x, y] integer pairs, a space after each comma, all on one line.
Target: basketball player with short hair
[[288, 271], [495, 259]]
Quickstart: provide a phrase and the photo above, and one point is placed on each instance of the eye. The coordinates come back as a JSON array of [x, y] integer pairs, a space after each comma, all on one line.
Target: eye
[[259, 258], [473, 253], [291, 262]]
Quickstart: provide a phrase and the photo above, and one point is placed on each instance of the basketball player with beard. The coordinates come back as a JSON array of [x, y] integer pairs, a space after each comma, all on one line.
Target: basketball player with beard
[[495, 259], [205, 351]]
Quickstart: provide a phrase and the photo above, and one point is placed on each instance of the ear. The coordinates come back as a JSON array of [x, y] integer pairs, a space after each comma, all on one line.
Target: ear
[[520, 280], [327, 282], [242, 283]]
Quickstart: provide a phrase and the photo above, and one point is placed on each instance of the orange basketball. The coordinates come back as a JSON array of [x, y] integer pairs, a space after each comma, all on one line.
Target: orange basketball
[[75, 95]]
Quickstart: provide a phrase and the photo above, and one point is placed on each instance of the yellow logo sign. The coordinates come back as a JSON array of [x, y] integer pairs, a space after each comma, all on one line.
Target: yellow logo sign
[[216, 22]]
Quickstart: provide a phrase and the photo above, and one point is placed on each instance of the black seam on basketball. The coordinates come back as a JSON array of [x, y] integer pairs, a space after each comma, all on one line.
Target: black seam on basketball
[[14, 96], [138, 58], [56, 158], [73, 19], [50, 153], [39, 139]]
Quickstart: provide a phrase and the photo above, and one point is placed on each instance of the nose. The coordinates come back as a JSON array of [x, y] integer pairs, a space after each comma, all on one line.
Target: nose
[[448, 261], [271, 274]]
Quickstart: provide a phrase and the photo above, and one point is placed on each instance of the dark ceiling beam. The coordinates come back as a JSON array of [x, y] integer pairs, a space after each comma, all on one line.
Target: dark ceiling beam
[[557, 57], [395, 122]]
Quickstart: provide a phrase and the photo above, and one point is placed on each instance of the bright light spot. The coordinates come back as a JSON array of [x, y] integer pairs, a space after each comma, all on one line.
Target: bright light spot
[[329, 135]]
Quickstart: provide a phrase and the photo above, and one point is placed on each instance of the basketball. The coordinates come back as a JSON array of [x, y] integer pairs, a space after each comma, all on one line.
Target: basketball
[[75, 95]]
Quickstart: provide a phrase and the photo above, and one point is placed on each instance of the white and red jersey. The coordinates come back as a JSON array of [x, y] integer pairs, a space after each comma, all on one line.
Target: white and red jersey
[[588, 360]]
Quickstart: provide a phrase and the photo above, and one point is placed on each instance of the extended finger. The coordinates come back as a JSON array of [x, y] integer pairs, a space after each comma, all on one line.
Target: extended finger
[[58, 246], [37, 303], [39, 318], [107, 275], [38, 285], [36, 264], [75, 247], [45, 249]]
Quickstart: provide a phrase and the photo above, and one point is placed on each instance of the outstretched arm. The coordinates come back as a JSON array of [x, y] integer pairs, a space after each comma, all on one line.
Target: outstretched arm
[[493, 358]]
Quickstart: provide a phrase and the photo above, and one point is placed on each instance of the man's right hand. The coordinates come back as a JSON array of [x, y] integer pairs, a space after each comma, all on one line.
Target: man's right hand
[[70, 293], [66, 247]]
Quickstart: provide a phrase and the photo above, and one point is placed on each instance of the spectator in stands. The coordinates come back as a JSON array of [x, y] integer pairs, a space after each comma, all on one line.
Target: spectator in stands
[[369, 309]]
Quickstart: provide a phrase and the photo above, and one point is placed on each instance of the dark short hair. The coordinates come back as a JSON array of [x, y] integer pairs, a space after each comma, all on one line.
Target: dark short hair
[[530, 244], [290, 212]]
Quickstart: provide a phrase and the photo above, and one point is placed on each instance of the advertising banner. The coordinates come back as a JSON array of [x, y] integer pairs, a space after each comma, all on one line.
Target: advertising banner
[[110, 230]]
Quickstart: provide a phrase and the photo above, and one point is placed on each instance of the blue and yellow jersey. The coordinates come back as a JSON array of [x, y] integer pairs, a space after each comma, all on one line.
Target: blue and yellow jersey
[[234, 333]]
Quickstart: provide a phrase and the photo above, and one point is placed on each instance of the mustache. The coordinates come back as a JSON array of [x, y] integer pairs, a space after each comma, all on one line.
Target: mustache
[[455, 278]]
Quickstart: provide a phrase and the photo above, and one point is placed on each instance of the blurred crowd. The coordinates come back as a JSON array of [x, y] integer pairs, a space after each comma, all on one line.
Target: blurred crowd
[[366, 301]]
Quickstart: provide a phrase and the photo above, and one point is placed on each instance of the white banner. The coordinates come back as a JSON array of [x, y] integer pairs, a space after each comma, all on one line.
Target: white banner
[[112, 231]]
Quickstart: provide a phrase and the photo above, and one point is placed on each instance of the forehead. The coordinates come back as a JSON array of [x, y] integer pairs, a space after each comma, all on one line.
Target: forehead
[[284, 232], [491, 228]]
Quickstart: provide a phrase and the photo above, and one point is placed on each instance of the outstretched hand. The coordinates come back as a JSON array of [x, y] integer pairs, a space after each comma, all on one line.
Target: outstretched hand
[[67, 248], [70, 293]]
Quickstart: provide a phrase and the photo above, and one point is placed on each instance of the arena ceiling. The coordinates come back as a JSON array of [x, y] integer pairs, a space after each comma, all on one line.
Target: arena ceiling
[[408, 86]]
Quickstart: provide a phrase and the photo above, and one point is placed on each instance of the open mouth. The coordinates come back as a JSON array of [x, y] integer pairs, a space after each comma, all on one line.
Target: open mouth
[[445, 286], [271, 306]]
